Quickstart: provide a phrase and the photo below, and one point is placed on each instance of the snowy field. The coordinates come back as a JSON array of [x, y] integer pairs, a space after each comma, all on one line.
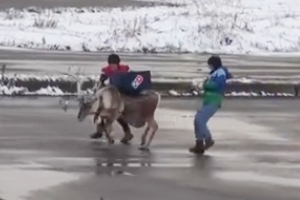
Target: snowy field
[[223, 26]]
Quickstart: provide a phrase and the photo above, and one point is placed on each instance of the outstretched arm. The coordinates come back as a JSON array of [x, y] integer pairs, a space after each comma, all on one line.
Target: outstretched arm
[[103, 77], [100, 82]]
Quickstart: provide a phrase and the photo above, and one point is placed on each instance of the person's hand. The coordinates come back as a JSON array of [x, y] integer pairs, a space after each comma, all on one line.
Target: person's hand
[[103, 77], [198, 86], [202, 84]]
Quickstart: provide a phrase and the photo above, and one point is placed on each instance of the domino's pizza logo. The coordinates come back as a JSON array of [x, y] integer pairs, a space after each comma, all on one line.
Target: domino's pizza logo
[[137, 81]]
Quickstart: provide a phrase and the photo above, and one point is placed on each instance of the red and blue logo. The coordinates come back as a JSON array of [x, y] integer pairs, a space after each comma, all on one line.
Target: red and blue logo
[[137, 81]]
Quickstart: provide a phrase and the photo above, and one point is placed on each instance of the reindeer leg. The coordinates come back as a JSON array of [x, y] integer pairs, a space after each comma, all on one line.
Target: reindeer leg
[[144, 137], [153, 126], [97, 114], [154, 129], [107, 127]]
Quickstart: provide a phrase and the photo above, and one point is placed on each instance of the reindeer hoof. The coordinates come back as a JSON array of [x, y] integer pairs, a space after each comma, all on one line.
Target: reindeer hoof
[[125, 141], [111, 141], [143, 148]]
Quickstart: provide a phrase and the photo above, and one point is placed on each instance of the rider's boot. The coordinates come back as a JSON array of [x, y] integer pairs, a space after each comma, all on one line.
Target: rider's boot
[[96, 135], [198, 148], [209, 143], [125, 126], [128, 136]]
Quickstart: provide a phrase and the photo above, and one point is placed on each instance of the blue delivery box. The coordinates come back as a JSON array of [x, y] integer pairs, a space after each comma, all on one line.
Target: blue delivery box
[[132, 83]]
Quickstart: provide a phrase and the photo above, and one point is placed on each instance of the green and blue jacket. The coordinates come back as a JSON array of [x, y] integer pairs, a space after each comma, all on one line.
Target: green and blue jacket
[[214, 86]]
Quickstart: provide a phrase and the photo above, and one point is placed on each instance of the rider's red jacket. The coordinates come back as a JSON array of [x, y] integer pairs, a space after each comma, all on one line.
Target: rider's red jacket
[[108, 71]]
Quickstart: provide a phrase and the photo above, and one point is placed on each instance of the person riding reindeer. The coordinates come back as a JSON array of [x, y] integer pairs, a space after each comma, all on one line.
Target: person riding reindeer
[[128, 99], [113, 67]]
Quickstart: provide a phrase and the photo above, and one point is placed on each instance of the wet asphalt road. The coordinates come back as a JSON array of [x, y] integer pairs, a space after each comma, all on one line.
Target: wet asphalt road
[[46, 154], [185, 66]]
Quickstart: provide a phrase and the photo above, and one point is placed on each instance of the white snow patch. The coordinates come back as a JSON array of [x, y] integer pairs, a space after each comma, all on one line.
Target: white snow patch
[[220, 26], [254, 94], [52, 91], [5, 90], [18, 182], [48, 91]]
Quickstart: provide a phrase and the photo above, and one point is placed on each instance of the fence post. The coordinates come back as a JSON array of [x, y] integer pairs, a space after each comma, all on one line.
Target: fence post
[[296, 90], [3, 69]]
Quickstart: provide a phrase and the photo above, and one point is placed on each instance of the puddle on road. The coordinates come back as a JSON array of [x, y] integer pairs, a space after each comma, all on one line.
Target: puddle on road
[[18, 181], [67, 162]]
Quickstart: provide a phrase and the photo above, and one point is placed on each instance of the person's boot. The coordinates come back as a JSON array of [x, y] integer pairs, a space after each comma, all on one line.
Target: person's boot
[[198, 148], [209, 143], [96, 135], [126, 139], [99, 132]]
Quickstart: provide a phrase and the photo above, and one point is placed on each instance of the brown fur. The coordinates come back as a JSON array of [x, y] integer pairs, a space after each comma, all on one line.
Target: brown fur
[[106, 105], [137, 112]]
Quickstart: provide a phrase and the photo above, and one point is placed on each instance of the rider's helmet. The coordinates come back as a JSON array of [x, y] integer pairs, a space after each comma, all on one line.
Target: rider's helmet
[[113, 59]]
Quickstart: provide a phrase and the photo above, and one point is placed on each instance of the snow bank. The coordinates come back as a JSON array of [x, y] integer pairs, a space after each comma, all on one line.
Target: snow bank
[[195, 82], [55, 91], [234, 94], [223, 26], [65, 85], [48, 91]]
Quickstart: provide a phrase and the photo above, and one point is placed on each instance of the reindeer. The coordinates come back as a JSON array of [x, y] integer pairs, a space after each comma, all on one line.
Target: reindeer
[[126, 129], [106, 105], [134, 111], [83, 99]]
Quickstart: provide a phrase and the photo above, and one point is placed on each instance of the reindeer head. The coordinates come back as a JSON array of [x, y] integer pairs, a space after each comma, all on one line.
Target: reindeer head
[[85, 107]]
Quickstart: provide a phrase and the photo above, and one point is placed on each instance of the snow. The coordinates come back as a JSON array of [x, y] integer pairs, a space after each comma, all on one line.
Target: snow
[[220, 26], [167, 79], [55, 91], [10, 89]]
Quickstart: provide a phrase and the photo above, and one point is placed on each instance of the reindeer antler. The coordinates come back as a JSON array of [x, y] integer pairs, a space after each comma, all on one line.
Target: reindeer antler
[[80, 94]]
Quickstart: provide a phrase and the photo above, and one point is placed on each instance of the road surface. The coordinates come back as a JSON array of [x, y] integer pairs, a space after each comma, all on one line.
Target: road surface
[[46, 154], [171, 66]]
